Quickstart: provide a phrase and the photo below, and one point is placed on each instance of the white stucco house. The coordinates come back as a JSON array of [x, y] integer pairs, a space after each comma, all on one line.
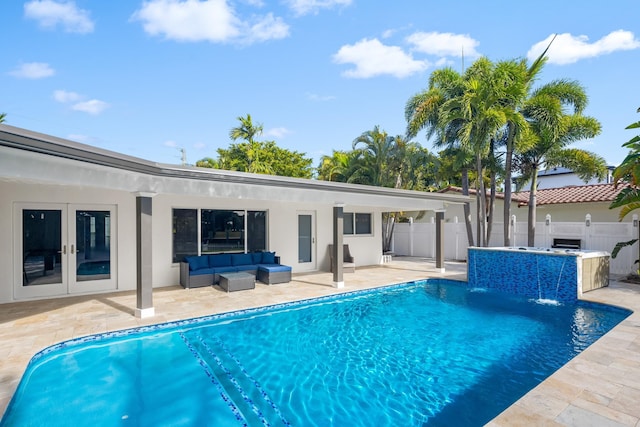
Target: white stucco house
[[76, 219]]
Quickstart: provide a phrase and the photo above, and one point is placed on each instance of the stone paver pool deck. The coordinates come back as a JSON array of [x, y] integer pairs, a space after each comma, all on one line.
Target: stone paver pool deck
[[600, 387]]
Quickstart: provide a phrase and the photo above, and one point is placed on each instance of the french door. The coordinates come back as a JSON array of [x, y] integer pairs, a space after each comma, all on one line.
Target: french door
[[63, 249], [306, 241]]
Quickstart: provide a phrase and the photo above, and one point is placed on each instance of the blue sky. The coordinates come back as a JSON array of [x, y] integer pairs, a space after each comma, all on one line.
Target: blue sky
[[147, 78]]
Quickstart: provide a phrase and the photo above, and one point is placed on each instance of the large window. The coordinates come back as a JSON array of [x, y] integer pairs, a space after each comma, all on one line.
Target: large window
[[357, 223], [220, 231], [185, 233]]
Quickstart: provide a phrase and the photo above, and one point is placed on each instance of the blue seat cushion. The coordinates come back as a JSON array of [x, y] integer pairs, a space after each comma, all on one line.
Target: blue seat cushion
[[197, 262], [274, 268], [201, 272], [219, 260], [241, 259], [246, 267], [268, 258]]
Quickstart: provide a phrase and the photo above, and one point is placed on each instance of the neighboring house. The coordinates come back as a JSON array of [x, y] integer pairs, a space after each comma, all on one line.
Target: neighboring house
[[76, 219], [563, 177], [573, 203]]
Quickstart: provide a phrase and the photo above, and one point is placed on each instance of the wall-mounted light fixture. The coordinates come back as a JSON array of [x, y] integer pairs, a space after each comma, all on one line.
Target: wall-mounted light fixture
[[635, 220], [547, 219], [587, 220]]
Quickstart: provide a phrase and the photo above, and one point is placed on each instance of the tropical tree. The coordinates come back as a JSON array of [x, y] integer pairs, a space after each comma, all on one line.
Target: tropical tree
[[247, 131], [422, 111], [479, 113], [381, 159], [628, 173], [337, 167], [2, 116], [258, 156], [550, 131], [522, 78]]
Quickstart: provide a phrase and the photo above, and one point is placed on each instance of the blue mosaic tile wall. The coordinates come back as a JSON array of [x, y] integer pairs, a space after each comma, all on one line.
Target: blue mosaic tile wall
[[531, 274]]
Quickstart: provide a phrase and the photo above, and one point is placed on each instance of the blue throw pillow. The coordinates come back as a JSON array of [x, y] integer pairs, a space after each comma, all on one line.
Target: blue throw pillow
[[219, 260], [268, 257], [197, 262], [256, 257], [241, 259]]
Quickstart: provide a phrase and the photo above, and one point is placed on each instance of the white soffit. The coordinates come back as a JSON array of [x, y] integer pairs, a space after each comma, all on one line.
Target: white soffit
[[31, 157]]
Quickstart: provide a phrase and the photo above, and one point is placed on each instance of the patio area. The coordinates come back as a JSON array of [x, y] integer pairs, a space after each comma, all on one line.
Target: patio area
[[599, 387]]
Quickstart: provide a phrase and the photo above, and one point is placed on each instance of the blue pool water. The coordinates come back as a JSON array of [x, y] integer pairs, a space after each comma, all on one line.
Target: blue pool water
[[427, 353]]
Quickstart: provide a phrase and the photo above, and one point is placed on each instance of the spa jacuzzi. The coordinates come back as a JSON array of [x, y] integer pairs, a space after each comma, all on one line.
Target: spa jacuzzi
[[541, 273]]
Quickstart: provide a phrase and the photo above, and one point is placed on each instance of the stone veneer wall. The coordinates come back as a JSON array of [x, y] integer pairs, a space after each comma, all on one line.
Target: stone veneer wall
[[528, 273]]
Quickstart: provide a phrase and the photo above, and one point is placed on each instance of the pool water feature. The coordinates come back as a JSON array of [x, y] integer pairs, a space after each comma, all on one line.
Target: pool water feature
[[432, 352]]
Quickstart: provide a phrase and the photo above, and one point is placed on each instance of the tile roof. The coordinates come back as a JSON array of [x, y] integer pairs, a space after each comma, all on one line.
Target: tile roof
[[574, 194], [515, 197]]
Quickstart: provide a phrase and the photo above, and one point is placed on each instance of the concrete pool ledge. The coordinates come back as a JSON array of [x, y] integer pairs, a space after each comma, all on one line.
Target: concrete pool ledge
[[600, 387]]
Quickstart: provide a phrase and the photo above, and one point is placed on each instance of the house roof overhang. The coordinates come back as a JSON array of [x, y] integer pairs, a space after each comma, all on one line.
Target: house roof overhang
[[34, 157]]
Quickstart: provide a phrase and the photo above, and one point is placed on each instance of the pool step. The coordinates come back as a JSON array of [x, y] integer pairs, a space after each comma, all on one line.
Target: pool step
[[250, 398]]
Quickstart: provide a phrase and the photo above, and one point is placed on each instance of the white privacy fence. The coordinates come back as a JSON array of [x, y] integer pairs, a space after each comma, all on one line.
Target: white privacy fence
[[419, 239]]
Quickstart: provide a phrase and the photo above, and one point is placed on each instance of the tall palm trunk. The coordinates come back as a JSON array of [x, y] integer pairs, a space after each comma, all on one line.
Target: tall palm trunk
[[466, 207], [508, 230], [492, 205], [482, 208], [531, 240]]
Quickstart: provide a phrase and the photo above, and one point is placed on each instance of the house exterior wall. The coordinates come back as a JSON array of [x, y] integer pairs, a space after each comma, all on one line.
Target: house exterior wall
[[12, 193], [571, 212], [282, 231]]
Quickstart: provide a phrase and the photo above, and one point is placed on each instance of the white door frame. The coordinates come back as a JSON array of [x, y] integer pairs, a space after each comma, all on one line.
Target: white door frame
[[67, 283], [313, 264]]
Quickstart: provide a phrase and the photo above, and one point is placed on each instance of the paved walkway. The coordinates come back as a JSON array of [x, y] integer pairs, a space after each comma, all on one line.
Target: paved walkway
[[600, 387]]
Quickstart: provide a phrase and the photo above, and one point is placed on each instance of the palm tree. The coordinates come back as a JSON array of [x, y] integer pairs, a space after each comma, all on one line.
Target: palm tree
[[423, 112], [551, 131], [480, 113], [523, 77], [2, 116], [628, 173], [248, 131], [380, 156]]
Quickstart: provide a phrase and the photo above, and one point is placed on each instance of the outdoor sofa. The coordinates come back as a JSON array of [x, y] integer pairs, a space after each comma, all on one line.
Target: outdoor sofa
[[205, 270]]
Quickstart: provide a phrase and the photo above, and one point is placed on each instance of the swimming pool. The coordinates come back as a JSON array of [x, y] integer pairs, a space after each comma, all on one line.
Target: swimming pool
[[427, 352]]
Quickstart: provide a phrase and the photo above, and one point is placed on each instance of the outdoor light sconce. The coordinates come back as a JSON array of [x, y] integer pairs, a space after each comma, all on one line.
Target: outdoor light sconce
[[587, 220], [547, 220], [635, 220]]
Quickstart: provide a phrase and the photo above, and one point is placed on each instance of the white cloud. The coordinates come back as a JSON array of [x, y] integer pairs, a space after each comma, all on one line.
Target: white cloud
[[304, 7], [33, 70], [93, 106], [266, 28], [372, 58], [171, 144], [280, 132], [64, 96], [209, 20], [567, 48], [50, 14], [444, 44]]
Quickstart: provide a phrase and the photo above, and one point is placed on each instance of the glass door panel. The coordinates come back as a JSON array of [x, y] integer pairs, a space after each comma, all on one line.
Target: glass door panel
[[40, 249], [306, 241], [92, 254]]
